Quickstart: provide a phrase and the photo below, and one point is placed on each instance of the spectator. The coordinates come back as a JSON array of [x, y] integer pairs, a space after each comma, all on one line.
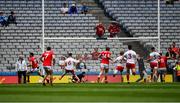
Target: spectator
[[21, 68], [175, 50], [78, 56], [73, 9], [100, 30], [85, 57], [113, 29], [95, 54], [11, 19], [177, 70], [64, 9], [3, 19], [84, 9]]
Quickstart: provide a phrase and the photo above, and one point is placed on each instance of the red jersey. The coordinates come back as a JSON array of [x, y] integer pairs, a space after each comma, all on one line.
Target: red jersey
[[175, 50], [162, 62], [33, 61], [100, 30], [113, 29], [48, 57], [105, 55]]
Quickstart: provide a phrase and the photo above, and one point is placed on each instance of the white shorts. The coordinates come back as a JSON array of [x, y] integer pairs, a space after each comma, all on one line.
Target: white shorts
[[104, 66]]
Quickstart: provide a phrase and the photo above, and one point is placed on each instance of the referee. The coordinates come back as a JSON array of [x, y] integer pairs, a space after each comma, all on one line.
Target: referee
[[21, 68]]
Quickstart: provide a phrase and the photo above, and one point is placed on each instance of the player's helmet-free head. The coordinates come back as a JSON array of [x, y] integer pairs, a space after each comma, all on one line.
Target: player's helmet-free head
[[121, 52], [31, 54], [70, 54], [48, 48], [129, 47], [20, 57], [107, 49], [152, 49]]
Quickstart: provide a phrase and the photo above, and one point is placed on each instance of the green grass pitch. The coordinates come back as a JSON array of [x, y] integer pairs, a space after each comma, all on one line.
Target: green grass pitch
[[150, 92]]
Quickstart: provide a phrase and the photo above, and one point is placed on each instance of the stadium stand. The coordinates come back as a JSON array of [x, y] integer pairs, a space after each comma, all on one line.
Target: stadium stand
[[75, 25], [139, 17], [26, 36]]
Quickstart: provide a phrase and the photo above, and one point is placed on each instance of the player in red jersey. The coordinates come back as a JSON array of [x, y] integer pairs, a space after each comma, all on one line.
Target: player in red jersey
[[162, 67], [34, 67], [48, 59], [105, 57]]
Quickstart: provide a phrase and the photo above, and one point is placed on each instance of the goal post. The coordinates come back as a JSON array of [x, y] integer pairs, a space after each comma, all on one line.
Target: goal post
[[42, 43]]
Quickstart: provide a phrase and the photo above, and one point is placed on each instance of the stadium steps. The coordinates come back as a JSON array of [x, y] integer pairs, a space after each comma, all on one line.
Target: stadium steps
[[138, 48], [99, 12], [106, 20]]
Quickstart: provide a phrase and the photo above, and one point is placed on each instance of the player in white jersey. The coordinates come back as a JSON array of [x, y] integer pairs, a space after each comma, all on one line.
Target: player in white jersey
[[70, 66], [153, 58], [62, 62], [131, 58], [119, 65]]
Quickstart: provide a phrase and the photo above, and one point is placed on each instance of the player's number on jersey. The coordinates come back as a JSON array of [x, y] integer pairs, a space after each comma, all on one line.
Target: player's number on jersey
[[129, 56], [69, 63], [105, 55], [46, 55]]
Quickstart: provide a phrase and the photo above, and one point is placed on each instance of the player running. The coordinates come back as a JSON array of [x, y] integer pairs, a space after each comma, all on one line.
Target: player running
[[153, 58], [119, 65], [162, 67], [48, 59], [70, 66], [130, 57], [105, 57], [34, 67]]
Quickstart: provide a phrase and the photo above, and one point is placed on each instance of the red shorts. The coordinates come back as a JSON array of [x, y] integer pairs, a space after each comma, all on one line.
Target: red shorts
[[70, 71], [178, 73], [119, 68], [153, 65], [130, 66]]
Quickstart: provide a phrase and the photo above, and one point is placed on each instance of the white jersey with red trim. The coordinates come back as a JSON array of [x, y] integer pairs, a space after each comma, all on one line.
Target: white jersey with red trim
[[70, 63], [155, 56], [119, 61], [130, 56]]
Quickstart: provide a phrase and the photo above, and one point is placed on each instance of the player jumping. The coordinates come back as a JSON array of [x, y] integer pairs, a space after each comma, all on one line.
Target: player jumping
[[119, 65], [153, 58], [105, 56], [70, 66], [130, 57], [48, 59]]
